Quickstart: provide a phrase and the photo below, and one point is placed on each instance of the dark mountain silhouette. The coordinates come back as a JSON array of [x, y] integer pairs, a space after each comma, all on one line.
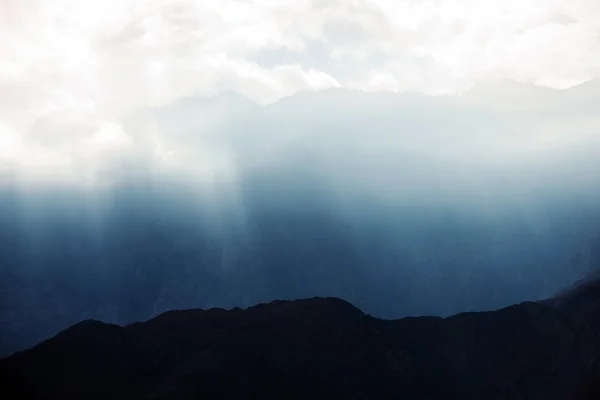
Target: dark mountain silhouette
[[323, 348]]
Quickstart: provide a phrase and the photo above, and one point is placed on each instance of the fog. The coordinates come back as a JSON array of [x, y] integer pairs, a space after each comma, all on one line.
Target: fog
[[404, 204]]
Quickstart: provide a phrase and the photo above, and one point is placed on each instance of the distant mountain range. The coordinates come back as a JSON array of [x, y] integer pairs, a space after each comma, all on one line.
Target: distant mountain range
[[323, 348]]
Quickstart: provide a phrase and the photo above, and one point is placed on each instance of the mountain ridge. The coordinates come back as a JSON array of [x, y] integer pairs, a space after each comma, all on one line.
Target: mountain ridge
[[322, 347]]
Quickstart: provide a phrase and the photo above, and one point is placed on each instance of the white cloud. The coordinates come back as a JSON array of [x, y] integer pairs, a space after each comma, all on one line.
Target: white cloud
[[71, 69]]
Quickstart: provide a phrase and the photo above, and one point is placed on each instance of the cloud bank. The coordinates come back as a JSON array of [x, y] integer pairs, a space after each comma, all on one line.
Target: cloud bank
[[72, 71]]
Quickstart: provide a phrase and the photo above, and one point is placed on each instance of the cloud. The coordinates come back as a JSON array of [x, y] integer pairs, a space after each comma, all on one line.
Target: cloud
[[71, 70]]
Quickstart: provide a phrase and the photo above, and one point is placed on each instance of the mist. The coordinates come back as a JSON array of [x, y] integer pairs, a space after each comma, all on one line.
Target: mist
[[402, 203]]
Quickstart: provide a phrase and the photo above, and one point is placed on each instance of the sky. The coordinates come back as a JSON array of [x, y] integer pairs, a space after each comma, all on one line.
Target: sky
[[73, 72], [413, 157]]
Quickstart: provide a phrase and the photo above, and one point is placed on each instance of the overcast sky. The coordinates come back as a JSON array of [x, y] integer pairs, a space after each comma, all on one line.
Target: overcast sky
[[71, 71]]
